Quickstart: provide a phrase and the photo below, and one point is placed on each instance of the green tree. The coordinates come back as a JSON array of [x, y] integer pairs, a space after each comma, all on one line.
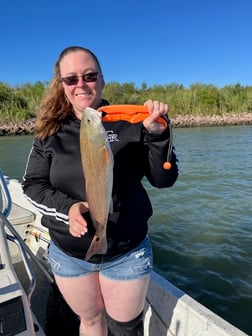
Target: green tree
[[22, 102]]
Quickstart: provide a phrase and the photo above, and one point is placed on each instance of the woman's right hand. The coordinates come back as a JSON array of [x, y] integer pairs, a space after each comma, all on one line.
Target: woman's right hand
[[77, 224]]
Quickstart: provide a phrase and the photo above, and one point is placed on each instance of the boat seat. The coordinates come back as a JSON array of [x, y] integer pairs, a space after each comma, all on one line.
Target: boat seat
[[19, 215]]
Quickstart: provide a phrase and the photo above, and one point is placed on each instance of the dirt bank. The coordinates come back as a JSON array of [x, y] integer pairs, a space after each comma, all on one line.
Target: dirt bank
[[27, 127], [215, 120], [17, 128]]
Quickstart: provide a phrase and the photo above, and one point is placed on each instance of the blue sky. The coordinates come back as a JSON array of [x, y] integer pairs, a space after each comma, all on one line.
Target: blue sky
[[136, 41]]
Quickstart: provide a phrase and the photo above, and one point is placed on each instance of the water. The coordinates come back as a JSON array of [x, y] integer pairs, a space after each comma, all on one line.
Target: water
[[14, 151], [201, 229]]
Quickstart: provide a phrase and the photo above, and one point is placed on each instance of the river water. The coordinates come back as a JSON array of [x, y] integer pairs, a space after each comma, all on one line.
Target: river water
[[201, 229]]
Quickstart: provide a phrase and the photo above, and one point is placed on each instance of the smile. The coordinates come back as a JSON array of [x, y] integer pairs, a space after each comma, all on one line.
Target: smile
[[83, 94]]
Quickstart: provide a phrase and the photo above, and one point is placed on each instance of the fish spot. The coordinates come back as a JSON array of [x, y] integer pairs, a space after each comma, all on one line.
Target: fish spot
[[97, 239]]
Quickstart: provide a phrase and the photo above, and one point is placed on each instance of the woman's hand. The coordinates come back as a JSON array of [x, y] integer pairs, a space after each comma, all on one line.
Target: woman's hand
[[156, 109], [77, 224]]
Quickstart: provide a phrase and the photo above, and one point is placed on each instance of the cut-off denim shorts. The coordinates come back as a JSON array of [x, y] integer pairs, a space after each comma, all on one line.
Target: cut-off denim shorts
[[133, 265]]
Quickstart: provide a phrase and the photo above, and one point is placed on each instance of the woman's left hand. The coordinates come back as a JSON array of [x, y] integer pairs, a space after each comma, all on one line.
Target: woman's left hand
[[156, 109]]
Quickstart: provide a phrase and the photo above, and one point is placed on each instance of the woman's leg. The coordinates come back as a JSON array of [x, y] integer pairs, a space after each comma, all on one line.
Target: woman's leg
[[83, 295], [124, 301], [124, 284]]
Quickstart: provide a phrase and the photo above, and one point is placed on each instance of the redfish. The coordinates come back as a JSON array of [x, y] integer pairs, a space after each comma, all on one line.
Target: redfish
[[97, 163]]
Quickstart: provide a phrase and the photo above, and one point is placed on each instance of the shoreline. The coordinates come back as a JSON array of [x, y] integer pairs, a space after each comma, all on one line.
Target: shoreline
[[245, 118]]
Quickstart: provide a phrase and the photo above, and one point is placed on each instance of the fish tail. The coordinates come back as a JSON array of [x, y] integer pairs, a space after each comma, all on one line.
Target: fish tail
[[98, 245]]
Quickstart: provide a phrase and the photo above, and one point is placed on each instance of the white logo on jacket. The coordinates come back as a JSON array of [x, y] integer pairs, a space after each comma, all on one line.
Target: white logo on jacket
[[112, 137]]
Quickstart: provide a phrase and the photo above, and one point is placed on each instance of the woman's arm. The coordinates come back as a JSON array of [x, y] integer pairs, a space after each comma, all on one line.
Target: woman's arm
[[162, 161], [38, 189]]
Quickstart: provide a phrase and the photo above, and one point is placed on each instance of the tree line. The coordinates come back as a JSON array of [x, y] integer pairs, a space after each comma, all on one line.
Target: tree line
[[20, 103]]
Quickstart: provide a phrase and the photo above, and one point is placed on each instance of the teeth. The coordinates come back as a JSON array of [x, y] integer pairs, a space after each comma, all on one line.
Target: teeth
[[82, 94]]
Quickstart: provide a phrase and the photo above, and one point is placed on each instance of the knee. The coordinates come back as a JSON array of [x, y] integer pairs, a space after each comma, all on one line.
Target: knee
[[97, 319], [129, 328]]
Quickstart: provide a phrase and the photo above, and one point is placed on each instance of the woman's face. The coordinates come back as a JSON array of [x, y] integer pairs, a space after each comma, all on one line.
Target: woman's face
[[81, 93]]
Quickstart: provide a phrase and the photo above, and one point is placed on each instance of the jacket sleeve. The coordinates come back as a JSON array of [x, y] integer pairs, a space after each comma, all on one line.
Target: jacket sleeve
[[38, 189], [161, 149]]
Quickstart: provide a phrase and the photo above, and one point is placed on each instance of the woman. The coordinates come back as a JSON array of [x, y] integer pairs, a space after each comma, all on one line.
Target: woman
[[108, 291]]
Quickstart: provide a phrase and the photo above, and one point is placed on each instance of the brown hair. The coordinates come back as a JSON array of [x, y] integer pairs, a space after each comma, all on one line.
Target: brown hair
[[54, 106]]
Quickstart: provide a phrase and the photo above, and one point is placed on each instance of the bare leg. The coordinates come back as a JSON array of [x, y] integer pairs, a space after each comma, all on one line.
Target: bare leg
[[124, 300], [84, 297]]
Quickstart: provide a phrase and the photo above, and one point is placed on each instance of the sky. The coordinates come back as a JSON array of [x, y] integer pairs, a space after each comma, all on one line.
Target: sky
[[153, 42]]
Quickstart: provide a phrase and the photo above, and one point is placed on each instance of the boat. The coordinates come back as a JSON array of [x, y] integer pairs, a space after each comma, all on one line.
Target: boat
[[168, 310]]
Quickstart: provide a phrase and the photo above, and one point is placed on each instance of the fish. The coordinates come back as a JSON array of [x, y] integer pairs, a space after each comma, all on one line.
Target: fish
[[97, 164]]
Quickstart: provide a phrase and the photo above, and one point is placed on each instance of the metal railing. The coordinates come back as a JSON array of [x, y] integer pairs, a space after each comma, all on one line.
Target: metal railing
[[5, 198], [25, 252]]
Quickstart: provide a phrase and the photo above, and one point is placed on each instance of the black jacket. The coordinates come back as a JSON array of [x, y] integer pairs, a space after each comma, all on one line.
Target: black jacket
[[54, 181]]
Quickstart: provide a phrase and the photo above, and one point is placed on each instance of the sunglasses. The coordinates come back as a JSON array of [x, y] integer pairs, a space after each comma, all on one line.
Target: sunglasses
[[73, 80]]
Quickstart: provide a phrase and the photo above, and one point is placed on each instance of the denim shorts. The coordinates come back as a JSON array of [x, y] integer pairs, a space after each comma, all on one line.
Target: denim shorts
[[135, 264]]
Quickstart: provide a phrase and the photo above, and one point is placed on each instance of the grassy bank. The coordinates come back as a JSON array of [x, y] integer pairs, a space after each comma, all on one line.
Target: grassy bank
[[194, 103], [179, 121]]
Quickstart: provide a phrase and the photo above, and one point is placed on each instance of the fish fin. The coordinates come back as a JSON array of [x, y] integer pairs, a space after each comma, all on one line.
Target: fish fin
[[107, 157], [98, 245], [111, 206]]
